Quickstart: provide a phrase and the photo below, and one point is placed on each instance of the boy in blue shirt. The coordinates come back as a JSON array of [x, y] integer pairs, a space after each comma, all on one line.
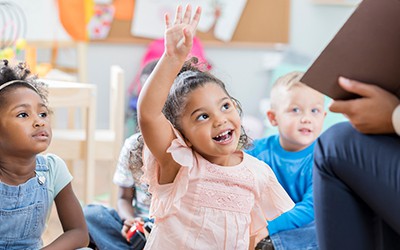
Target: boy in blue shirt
[[298, 112]]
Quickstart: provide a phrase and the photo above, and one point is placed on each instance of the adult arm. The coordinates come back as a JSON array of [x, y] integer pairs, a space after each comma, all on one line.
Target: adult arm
[[375, 112]]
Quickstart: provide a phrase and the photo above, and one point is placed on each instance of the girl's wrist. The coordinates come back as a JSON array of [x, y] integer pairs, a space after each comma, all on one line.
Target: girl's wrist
[[174, 59]]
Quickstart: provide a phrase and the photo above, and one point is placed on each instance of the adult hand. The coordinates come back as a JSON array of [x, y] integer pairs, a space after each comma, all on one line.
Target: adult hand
[[372, 112]]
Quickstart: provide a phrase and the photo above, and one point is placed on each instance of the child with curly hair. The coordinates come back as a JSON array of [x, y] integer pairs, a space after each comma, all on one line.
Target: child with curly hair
[[206, 192]]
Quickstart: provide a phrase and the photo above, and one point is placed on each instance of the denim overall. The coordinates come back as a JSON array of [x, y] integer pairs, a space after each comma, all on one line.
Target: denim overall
[[23, 211]]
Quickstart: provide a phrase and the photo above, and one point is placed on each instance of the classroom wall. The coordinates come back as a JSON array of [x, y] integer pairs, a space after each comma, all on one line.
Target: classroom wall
[[314, 25], [246, 69]]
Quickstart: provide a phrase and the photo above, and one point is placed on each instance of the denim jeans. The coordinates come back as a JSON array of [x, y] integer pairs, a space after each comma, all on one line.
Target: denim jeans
[[105, 226], [303, 238]]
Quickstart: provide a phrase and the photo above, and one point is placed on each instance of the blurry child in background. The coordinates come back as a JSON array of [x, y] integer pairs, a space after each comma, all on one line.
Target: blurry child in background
[[132, 106], [107, 227], [298, 112], [30, 182], [206, 193]]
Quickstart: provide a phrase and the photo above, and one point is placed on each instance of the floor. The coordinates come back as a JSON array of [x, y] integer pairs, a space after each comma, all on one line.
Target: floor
[[104, 175]]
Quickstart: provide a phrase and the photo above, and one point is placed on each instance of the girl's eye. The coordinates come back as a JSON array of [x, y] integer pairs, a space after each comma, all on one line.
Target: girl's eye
[[296, 110], [202, 117], [43, 115], [315, 111], [22, 115], [226, 106]]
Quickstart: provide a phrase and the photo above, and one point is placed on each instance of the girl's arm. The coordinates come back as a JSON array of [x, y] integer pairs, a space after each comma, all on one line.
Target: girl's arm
[[155, 128], [72, 220]]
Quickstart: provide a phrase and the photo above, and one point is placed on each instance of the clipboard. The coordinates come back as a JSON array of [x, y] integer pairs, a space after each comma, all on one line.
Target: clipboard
[[366, 48]]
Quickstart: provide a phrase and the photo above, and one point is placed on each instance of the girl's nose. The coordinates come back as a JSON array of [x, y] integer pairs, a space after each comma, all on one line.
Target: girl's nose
[[220, 121], [39, 122]]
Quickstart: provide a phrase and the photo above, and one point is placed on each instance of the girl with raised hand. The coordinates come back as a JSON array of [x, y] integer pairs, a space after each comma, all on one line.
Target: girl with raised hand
[[206, 192]]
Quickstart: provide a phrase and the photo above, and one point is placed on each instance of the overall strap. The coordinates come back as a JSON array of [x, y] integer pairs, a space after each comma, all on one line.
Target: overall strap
[[42, 169], [41, 163]]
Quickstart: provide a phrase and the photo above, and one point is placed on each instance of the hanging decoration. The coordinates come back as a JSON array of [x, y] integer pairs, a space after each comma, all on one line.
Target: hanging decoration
[[12, 30]]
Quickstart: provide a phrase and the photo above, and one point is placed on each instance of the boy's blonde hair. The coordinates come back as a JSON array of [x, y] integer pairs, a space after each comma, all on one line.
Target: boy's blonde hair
[[285, 82]]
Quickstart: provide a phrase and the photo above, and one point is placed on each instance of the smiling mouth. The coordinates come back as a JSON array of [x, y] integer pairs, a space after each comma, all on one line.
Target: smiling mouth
[[225, 136]]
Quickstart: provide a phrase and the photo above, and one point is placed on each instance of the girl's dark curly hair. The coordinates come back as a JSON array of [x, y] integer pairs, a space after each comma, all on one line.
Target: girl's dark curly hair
[[191, 76], [20, 72]]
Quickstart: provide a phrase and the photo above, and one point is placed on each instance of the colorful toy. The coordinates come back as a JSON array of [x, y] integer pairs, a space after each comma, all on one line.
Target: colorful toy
[[136, 228]]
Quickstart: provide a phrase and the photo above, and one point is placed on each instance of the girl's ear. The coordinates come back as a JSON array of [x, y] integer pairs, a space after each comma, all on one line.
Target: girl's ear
[[272, 117]]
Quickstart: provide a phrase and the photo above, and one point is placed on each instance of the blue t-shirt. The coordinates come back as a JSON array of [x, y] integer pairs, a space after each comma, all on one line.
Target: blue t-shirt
[[294, 173]]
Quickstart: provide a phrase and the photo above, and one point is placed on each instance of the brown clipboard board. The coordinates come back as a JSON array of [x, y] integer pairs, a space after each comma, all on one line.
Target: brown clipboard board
[[366, 48]]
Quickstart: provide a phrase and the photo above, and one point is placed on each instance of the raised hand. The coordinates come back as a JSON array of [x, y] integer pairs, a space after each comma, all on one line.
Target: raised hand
[[370, 114], [179, 34]]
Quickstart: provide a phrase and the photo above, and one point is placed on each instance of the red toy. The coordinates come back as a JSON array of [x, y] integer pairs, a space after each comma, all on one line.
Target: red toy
[[137, 227]]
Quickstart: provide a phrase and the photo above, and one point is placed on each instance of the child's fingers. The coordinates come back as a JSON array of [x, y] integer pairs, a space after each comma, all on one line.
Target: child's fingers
[[189, 31], [129, 222], [188, 14], [188, 37], [196, 18], [167, 21], [178, 15]]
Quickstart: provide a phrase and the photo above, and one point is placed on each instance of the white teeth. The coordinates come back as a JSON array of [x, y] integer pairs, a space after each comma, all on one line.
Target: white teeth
[[224, 133], [223, 136]]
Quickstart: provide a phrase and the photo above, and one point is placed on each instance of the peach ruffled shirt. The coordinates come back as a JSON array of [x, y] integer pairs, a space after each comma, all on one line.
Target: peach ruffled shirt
[[210, 206]]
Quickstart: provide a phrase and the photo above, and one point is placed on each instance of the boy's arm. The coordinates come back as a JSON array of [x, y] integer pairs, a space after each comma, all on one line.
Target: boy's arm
[[124, 179], [300, 215], [156, 130], [303, 212], [124, 203], [125, 209]]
